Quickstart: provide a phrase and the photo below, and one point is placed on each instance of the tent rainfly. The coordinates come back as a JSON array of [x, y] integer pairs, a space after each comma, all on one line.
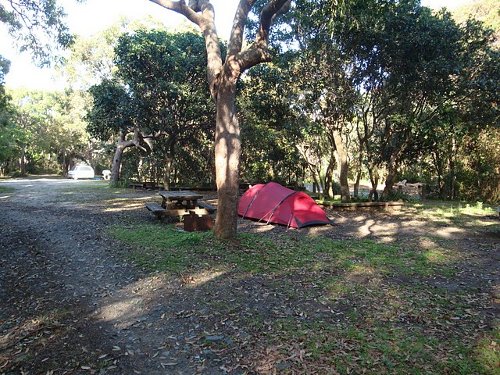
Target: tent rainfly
[[274, 203]]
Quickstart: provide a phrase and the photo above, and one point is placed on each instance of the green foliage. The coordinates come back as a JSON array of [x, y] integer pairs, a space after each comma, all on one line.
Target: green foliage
[[6, 113], [485, 11], [412, 92], [45, 132], [270, 127], [409, 89], [398, 196], [111, 112], [158, 91], [36, 26], [166, 72]]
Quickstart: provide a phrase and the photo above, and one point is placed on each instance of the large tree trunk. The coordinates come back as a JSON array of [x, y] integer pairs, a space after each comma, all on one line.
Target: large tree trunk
[[343, 166], [22, 161], [316, 182], [138, 141], [391, 177], [227, 156], [65, 164], [329, 179], [374, 177], [452, 168], [389, 181], [117, 163], [356, 183]]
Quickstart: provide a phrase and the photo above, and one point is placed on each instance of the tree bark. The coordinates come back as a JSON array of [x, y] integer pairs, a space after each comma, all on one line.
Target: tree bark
[[121, 145], [374, 177], [343, 166], [356, 183], [116, 164], [65, 164], [329, 178], [143, 142], [391, 177], [22, 161], [389, 181], [452, 168], [227, 157], [167, 176]]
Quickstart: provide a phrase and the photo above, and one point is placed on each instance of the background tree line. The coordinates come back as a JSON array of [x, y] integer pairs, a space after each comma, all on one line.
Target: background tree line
[[377, 91]]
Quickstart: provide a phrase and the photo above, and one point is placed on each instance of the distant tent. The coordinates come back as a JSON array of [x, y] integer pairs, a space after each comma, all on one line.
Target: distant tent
[[277, 204]]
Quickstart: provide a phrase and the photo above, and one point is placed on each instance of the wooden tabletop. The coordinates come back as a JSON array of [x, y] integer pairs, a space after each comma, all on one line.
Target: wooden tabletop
[[181, 194]]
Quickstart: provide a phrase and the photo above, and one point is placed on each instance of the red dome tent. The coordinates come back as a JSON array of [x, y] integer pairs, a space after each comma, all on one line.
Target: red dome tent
[[277, 204]]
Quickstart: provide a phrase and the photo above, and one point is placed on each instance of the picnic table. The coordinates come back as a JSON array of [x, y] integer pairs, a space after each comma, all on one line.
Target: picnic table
[[180, 203], [179, 199]]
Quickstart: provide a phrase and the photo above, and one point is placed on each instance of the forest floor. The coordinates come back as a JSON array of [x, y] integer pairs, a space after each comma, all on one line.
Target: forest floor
[[92, 283]]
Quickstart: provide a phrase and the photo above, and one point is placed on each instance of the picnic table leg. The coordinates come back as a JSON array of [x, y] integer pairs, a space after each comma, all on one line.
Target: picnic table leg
[[191, 203]]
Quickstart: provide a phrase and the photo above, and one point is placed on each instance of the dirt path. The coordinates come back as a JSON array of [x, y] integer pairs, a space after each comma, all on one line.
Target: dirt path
[[68, 304], [71, 304]]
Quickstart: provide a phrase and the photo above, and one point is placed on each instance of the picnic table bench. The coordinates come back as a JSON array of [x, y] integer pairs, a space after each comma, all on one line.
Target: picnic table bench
[[207, 206], [144, 185], [156, 209]]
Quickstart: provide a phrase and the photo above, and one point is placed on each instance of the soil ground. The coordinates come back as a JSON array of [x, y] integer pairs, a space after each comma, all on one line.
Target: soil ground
[[71, 302]]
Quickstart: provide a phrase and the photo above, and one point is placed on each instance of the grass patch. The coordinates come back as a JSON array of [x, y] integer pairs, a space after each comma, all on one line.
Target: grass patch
[[164, 248], [6, 189], [458, 212], [382, 348], [392, 329], [487, 351], [92, 186], [471, 216], [350, 305]]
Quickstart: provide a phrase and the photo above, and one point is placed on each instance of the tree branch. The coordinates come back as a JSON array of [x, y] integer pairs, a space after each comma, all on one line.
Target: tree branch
[[258, 52], [273, 9], [240, 17], [214, 55], [181, 8]]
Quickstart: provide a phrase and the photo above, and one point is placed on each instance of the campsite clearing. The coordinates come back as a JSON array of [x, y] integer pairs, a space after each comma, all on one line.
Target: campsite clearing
[[93, 284]]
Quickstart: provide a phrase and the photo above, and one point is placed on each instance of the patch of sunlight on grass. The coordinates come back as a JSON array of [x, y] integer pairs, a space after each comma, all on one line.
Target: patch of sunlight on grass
[[124, 204], [121, 208], [437, 256], [449, 232], [361, 270], [337, 287], [432, 253], [357, 278], [453, 210], [488, 352]]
